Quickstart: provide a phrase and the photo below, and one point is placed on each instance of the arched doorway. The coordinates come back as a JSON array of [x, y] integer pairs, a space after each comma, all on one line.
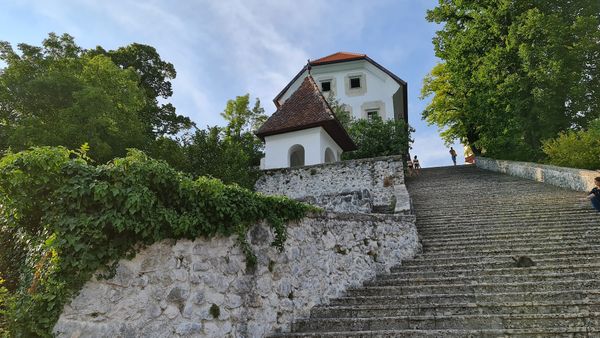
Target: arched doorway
[[329, 155], [296, 155]]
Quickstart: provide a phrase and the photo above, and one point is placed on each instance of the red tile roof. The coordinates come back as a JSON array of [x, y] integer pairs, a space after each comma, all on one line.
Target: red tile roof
[[337, 57], [306, 108]]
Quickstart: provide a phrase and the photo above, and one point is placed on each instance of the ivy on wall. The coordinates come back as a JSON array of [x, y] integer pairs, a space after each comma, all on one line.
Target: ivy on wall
[[70, 217]]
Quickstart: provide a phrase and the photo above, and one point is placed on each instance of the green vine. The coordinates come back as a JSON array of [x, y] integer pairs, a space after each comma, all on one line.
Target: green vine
[[72, 218]]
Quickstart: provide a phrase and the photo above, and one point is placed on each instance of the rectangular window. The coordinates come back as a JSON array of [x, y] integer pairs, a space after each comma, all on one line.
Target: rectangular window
[[372, 113], [355, 82], [326, 86]]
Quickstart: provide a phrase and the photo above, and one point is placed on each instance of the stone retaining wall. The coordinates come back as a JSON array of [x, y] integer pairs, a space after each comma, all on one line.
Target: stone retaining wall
[[570, 178], [169, 288], [365, 185]]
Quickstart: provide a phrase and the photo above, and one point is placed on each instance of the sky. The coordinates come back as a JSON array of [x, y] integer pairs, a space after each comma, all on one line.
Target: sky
[[225, 48]]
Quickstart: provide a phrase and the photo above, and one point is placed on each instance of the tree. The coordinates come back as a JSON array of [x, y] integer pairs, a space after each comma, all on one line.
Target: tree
[[231, 153], [340, 111], [376, 137], [57, 95], [154, 75], [240, 118], [514, 73], [448, 108], [211, 153]]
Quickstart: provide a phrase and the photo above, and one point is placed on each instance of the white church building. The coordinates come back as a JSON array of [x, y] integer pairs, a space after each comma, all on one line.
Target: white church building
[[304, 129]]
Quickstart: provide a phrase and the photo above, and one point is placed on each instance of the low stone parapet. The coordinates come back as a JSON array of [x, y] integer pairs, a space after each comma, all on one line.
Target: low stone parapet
[[329, 185], [201, 288], [570, 178]]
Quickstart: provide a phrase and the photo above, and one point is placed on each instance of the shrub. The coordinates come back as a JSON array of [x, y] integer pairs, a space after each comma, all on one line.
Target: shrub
[[72, 218], [3, 300], [376, 137], [577, 149]]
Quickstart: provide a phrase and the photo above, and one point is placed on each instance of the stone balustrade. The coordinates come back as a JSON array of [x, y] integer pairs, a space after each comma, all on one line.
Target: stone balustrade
[[570, 178]]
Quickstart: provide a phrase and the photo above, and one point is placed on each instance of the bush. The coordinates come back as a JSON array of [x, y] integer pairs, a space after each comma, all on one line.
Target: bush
[[576, 149], [376, 137], [3, 300], [72, 218]]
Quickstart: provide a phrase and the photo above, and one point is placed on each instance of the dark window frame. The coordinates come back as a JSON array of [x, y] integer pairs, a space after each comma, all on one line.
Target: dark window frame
[[371, 113], [326, 83], [355, 82]]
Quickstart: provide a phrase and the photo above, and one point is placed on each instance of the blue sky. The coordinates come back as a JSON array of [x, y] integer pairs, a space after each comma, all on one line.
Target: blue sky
[[225, 48]]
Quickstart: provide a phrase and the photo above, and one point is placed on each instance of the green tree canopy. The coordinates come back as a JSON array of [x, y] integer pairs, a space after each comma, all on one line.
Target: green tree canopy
[[514, 73], [154, 75], [241, 118], [376, 137], [231, 153], [57, 95], [61, 94]]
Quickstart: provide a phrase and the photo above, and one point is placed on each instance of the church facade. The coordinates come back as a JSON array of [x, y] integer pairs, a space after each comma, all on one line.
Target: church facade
[[304, 129]]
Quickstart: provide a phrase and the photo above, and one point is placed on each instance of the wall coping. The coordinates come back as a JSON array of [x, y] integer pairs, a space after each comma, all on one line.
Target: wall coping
[[570, 178], [338, 163]]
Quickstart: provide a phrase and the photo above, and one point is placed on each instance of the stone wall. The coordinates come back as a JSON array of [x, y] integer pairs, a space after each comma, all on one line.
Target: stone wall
[[570, 178], [169, 288], [366, 185]]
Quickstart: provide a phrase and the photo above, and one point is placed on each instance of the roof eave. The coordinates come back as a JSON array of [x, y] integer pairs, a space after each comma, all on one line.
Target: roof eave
[[340, 136], [377, 65], [296, 77]]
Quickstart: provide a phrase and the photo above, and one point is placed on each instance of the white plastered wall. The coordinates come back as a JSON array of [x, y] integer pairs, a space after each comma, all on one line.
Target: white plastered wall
[[380, 87], [314, 140], [327, 142]]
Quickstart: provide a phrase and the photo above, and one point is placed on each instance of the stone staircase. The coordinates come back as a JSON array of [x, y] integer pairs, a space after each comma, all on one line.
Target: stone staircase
[[465, 283]]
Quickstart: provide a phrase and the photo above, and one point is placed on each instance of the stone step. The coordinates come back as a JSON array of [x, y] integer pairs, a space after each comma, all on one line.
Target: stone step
[[506, 278], [481, 287], [498, 264], [369, 311], [491, 223], [448, 205], [522, 245], [472, 322], [496, 297], [572, 332], [591, 235], [502, 257], [398, 272], [503, 230], [509, 252], [509, 233], [508, 218]]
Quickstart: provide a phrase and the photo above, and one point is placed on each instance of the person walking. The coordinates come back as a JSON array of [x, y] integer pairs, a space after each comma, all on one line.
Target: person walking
[[410, 168], [416, 165], [453, 154]]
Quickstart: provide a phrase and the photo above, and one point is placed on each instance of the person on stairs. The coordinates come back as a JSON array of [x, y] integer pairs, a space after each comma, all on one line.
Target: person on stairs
[[409, 166], [416, 165], [453, 154], [594, 195]]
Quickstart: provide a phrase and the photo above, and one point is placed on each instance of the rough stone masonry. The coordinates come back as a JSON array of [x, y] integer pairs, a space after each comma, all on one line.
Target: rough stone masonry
[[202, 288], [365, 185]]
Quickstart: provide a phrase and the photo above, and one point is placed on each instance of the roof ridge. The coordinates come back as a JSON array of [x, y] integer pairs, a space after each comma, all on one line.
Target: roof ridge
[[306, 108], [327, 105], [338, 56]]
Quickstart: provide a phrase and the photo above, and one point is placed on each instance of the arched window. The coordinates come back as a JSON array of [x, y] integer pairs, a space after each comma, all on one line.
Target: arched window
[[296, 155], [329, 155]]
